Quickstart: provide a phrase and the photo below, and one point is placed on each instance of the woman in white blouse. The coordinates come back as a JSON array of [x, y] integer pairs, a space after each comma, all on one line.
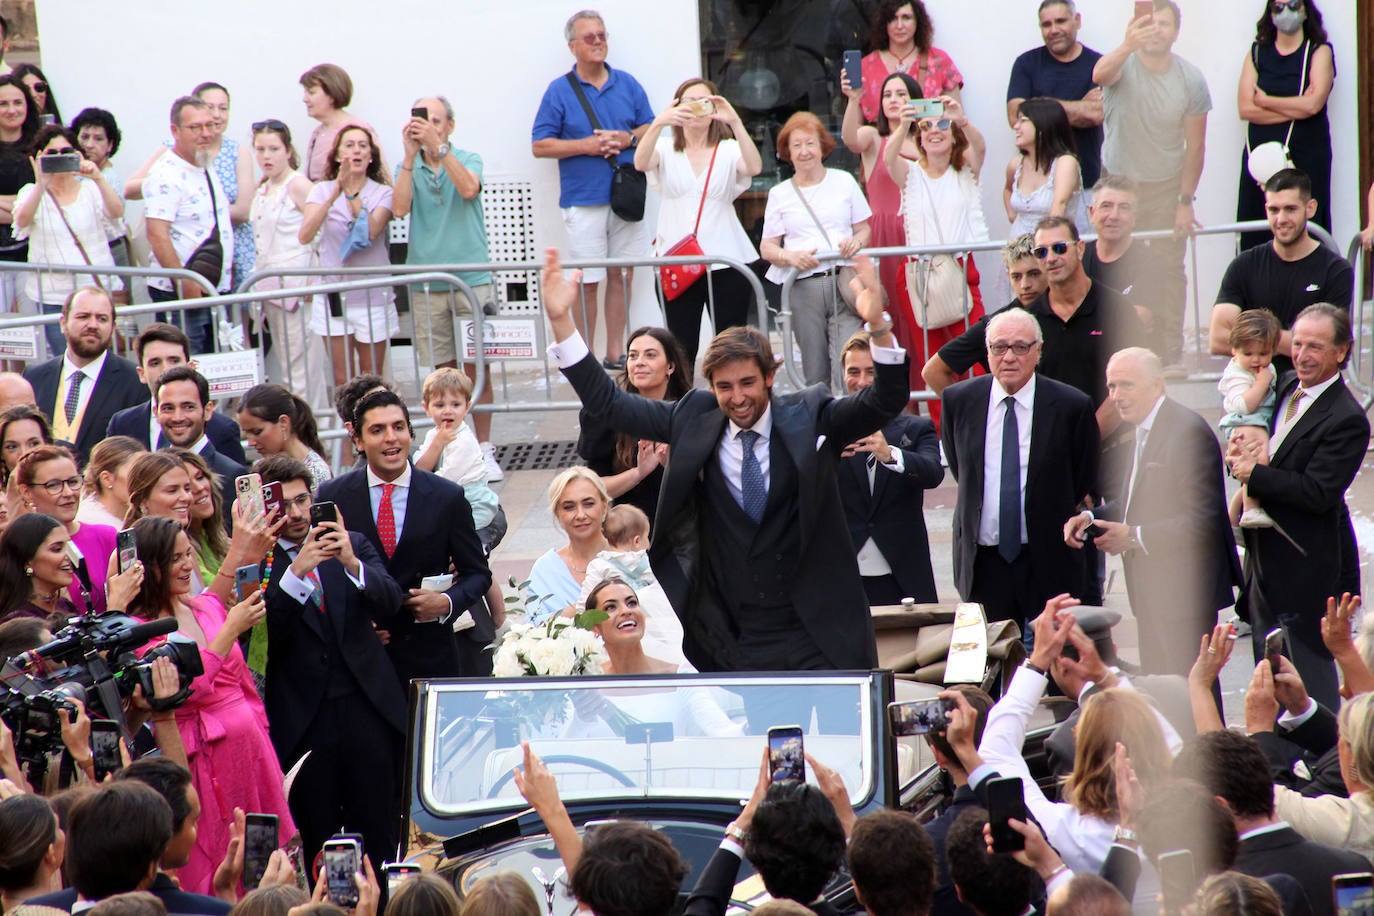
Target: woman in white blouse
[[706, 141], [63, 218]]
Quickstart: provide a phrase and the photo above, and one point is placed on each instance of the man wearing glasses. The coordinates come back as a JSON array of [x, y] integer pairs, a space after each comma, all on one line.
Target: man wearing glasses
[[587, 157], [1024, 449]]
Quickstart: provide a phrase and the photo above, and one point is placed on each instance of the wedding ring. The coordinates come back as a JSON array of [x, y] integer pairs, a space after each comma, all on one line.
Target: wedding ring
[[1211, 651]]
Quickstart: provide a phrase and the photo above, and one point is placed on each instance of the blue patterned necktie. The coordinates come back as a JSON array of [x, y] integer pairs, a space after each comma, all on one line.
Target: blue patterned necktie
[[753, 496], [1009, 510], [73, 395]]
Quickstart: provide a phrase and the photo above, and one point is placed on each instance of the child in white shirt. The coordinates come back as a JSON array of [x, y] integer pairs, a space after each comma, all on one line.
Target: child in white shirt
[[1248, 395]]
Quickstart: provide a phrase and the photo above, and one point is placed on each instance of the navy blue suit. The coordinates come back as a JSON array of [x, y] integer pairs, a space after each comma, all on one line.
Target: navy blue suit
[[221, 430], [436, 534], [117, 387]]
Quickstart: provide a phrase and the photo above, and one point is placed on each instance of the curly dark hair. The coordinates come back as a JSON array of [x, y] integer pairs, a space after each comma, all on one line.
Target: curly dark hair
[[892, 861], [1312, 28], [887, 11], [1232, 766], [796, 841], [99, 117], [374, 167], [33, 118], [993, 885]]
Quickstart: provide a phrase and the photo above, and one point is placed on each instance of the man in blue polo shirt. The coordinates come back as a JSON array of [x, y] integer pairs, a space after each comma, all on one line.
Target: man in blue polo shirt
[[586, 159]]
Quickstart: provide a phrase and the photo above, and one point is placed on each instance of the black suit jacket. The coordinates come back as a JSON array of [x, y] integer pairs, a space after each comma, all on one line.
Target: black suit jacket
[[116, 388], [228, 471], [892, 512], [305, 645], [1062, 470], [815, 427], [163, 888], [1284, 851], [1303, 489], [711, 896], [1314, 744], [222, 431], [436, 535], [1188, 569]]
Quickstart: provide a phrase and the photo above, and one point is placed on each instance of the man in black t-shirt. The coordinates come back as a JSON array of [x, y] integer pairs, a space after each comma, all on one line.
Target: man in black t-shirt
[[1062, 68], [1115, 260], [1285, 276]]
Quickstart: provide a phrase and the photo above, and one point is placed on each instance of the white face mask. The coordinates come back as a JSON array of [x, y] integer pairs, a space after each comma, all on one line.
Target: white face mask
[[1288, 21]]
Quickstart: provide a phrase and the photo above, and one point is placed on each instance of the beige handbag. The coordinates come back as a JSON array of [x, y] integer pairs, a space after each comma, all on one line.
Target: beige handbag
[[937, 284]]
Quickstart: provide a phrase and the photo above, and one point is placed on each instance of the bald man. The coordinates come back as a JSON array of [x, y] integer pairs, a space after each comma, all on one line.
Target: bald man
[[1167, 517], [15, 390]]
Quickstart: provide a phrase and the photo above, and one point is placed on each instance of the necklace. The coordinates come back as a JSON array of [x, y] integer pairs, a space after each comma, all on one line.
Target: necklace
[[901, 65], [44, 599]]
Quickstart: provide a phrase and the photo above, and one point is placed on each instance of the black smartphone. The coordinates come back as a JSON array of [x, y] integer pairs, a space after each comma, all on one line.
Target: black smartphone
[[853, 68], [321, 513], [127, 546], [1353, 893], [1274, 644], [1177, 880], [342, 861], [1006, 800], [919, 717], [259, 841], [422, 113], [396, 873], [335, 304], [272, 499], [247, 580], [786, 756], [105, 748]]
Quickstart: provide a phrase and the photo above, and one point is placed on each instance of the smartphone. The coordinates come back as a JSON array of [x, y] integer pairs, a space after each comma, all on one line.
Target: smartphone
[[342, 860], [927, 108], [1006, 801], [105, 748], [249, 490], [321, 513], [422, 113], [1274, 644], [272, 502], [1177, 880], [49, 119], [127, 546], [786, 756], [1354, 893], [304, 879], [919, 717], [259, 841], [700, 107], [335, 301], [59, 163], [1143, 8], [396, 873], [247, 580], [853, 68]]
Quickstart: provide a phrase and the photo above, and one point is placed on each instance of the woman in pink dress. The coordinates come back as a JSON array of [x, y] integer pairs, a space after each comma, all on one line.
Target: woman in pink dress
[[901, 38], [884, 194], [223, 724]]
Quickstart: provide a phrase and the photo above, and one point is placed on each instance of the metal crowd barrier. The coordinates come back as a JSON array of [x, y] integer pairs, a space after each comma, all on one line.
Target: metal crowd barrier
[[1358, 369]]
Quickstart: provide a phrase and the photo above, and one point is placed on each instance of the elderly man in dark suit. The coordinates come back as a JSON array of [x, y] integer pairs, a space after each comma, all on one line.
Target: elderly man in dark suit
[[1024, 450], [421, 524], [1316, 446], [883, 479], [1169, 521], [750, 541], [81, 389], [331, 690]]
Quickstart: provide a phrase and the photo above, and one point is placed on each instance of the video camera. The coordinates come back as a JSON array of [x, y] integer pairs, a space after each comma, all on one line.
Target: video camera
[[92, 660]]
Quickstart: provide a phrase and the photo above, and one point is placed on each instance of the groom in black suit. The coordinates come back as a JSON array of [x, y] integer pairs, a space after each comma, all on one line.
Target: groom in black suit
[[750, 541]]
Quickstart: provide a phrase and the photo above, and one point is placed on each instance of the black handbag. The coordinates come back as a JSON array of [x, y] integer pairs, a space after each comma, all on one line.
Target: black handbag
[[208, 258], [628, 184]]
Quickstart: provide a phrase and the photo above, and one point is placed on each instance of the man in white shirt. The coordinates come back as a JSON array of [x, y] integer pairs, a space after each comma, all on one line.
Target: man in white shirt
[[182, 409]]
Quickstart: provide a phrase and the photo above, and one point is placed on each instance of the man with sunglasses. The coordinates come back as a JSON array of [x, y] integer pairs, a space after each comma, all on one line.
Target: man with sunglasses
[[588, 154]]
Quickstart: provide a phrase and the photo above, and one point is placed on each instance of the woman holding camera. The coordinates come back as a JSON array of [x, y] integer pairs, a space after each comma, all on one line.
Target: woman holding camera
[[223, 724], [63, 219]]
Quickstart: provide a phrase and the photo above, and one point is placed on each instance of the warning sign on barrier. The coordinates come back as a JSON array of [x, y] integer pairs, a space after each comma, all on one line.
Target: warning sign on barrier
[[505, 338], [19, 343]]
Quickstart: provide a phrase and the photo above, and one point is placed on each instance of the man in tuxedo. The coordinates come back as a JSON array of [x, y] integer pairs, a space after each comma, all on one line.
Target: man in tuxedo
[[182, 396], [883, 479], [158, 348], [1024, 449], [331, 690], [1232, 767], [421, 525], [750, 542], [1316, 445], [1168, 522], [81, 389]]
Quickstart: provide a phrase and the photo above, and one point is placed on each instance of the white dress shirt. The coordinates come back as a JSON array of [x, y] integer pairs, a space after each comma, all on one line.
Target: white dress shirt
[[399, 496], [992, 456], [1309, 395], [871, 559]]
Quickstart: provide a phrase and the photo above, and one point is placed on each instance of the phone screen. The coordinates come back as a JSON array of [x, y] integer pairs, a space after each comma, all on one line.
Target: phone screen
[[396, 874], [786, 756], [105, 748], [918, 717], [1354, 893], [342, 861], [259, 841], [1005, 802], [1177, 880]]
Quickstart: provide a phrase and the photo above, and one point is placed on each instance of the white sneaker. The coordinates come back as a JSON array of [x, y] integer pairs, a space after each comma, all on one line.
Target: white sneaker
[[494, 472]]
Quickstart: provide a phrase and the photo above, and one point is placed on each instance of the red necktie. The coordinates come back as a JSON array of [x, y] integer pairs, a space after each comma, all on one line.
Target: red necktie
[[386, 521]]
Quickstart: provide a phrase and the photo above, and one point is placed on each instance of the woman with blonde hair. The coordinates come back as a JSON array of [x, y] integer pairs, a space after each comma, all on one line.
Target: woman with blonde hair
[[1346, 823], [578, 501], [1230, 893], [105, 500], [425, 895], [505, 893]]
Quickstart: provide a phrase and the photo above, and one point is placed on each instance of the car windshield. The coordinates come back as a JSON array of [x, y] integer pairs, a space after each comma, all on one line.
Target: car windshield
[[649, 737]]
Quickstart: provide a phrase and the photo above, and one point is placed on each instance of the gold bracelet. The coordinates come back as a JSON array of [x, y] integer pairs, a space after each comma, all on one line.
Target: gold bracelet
[[221, 572]]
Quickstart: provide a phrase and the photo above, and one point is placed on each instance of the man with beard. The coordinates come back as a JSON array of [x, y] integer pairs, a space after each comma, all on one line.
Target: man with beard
[[183, 408], [81, 389]]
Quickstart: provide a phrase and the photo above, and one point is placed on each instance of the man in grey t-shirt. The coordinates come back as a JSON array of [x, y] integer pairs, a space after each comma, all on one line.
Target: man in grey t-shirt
[[1155, 114]]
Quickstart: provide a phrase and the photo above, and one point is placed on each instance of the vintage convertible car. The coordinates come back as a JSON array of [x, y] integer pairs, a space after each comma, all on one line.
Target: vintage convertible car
[[677, 752]]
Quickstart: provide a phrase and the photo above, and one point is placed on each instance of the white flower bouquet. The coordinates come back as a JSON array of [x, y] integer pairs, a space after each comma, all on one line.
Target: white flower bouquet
[[559, 647]]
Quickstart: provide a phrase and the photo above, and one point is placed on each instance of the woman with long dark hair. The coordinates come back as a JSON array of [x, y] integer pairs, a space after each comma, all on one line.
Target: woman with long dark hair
[[35, 571], [19, 124], [22, 427], [656, 366], [901, 38], [1285, 82], [1043, 178], [31, 850], [222, 725], [40, 90], [275, 421]]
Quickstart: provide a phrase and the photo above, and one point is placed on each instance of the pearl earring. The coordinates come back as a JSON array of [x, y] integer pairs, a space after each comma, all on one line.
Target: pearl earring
[[28, 570]]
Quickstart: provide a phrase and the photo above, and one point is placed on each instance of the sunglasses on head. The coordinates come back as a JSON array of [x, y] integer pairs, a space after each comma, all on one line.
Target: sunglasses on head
[[270, 124], [940, 124], [1042, 252]]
